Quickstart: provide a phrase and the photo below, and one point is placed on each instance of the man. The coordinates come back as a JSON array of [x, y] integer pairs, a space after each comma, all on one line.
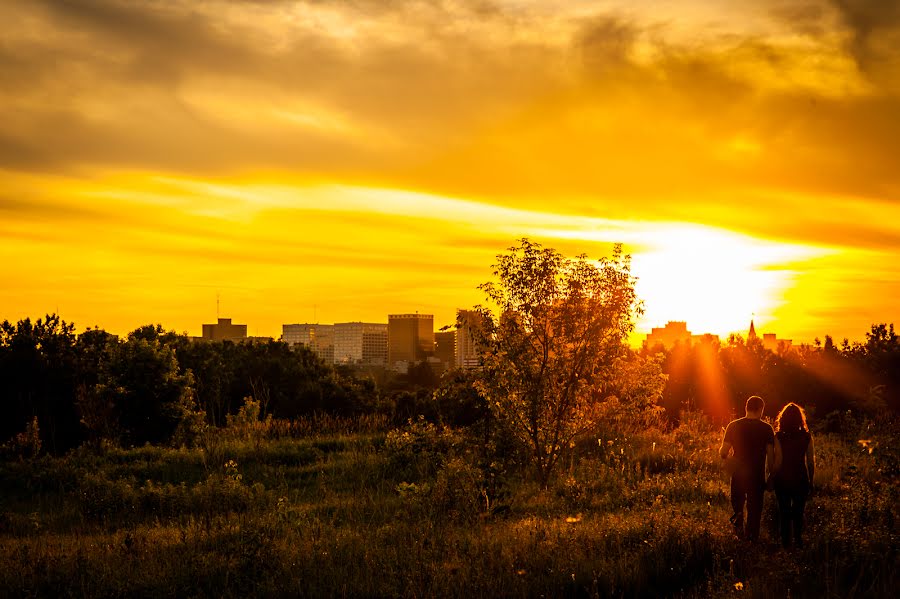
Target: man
[[752, 444]]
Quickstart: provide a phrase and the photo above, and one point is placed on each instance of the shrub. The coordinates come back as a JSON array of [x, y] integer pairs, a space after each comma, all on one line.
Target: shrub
[[24, 445]]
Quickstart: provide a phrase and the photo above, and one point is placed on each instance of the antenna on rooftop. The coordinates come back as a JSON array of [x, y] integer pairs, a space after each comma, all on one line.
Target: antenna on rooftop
[[217, 305]]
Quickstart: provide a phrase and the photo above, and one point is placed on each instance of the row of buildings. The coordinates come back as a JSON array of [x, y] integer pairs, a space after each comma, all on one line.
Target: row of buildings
[[410, 338], [403, 340], [676, 332]]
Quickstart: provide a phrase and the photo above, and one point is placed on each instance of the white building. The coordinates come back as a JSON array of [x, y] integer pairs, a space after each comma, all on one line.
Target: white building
[[317, 337], [467, 354], [361, 343]]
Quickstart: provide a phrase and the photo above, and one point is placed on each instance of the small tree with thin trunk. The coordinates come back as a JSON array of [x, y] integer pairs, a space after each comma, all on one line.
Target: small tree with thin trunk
[[553, 344]]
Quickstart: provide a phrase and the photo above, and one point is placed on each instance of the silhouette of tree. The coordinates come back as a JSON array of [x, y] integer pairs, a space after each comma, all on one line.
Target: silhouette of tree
[[38, 371], [150, 397], [553, 348]]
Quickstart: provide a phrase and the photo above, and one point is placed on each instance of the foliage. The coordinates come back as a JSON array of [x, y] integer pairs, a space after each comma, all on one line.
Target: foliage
[[141, 381], [38, 367], [25, 445], [554, 350], [457, 400], [156, 385], [643, 514]]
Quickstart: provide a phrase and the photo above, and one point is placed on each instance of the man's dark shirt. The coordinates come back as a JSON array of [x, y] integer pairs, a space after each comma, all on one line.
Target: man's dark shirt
[[749, 437]]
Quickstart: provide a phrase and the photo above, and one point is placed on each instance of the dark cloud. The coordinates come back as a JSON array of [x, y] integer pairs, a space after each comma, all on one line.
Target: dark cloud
[[606, 44], [872, 28], [874, 25]]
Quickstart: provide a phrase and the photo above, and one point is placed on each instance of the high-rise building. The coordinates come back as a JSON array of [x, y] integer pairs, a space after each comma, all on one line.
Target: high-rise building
[[769, 340], [445, 347], [317, 337], [224, 330], [361, 343], [410, 338], [673, 333], [467, 354]]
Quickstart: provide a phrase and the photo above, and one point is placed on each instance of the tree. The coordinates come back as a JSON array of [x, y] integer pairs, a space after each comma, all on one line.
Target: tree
[[553, 347], [38, 364], [140, 381]]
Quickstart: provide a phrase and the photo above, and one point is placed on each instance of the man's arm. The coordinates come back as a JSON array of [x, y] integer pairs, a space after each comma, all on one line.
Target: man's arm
[[725, 449]]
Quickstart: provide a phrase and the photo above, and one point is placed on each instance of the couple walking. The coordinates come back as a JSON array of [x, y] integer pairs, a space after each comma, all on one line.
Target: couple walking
[[749, 446]]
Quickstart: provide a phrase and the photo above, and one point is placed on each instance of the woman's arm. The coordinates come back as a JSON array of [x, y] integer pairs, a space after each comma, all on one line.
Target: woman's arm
[[810, 460], [779, 456]]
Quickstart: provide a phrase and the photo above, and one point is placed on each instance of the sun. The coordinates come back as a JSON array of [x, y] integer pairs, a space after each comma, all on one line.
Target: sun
[[712, 278]]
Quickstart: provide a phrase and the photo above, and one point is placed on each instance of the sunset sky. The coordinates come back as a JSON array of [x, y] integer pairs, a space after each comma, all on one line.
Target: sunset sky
[[342, 160]]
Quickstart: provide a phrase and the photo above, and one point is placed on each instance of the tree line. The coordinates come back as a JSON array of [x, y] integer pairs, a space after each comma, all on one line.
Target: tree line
[[154, 385], [825, 377], [556, 370]]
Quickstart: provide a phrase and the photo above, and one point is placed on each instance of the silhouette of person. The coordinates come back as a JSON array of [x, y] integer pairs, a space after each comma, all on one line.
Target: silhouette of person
[[751, 444], [795, 464]]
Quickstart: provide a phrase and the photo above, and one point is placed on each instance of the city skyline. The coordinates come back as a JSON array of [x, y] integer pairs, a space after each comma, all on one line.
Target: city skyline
[[337, 161], [323, 333]]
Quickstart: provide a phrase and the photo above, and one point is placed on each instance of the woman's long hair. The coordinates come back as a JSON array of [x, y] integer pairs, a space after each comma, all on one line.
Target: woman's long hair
[[791, 419]]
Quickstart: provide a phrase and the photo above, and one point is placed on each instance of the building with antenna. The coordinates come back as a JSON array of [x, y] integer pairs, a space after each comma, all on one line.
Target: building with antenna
[[224, 330]]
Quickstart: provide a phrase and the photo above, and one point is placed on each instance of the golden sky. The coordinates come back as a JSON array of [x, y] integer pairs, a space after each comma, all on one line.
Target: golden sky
[[345, 159]]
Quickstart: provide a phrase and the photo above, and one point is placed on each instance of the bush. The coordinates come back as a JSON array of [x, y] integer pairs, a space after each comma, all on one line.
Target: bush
[[417, 451], [25, 445]]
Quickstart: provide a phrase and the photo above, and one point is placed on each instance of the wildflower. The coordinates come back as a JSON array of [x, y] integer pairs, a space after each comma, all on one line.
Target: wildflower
[[868, 445]]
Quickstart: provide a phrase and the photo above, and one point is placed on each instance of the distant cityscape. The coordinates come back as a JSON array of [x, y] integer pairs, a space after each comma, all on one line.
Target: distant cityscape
[[405, 340], [408, 339], [676, 332]]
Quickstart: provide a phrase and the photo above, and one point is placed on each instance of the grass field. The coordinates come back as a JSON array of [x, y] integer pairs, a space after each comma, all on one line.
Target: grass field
[[356, 510]]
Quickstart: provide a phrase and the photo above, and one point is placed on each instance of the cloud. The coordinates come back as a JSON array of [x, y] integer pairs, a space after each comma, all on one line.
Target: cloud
[[875, 31], [600, 111]]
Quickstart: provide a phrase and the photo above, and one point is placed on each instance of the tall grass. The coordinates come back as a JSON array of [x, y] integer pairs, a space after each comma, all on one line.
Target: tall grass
[[354, 510]]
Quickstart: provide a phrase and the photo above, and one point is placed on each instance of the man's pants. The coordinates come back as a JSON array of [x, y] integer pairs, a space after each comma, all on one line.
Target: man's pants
[[749, 491]]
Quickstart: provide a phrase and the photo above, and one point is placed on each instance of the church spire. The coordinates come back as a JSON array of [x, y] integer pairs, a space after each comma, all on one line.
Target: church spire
[[752, 333]]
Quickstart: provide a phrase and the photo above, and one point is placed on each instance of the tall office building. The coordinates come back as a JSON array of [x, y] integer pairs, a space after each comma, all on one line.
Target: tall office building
[[410, 338], [361, 343], [317, 337], [467, 354], [223, 330], [445, 348], [669, 336]]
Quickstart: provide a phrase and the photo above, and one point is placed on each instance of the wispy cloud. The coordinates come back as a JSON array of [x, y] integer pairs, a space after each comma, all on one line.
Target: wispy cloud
[[270, 134]]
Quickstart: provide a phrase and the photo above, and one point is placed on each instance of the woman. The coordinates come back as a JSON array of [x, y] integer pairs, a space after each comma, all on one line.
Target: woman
[[794, 468]]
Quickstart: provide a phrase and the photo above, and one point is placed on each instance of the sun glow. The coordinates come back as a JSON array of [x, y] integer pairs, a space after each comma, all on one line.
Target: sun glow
[[714, 279]]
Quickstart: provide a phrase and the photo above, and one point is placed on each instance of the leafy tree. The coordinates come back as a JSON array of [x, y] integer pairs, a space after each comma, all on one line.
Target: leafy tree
[[458, 401], [38, 370], [141, 381], [553, 348]]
